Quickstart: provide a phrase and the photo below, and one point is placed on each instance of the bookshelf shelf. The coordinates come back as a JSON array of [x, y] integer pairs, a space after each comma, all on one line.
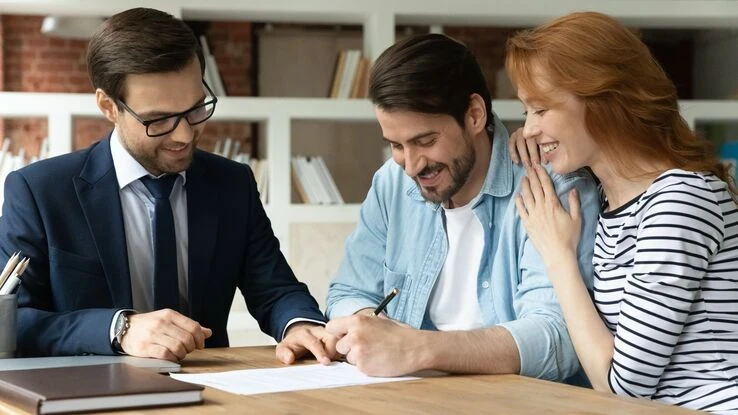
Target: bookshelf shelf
[[378, 20]]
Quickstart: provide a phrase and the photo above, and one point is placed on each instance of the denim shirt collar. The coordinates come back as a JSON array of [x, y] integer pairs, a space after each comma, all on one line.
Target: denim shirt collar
[[499, 180]]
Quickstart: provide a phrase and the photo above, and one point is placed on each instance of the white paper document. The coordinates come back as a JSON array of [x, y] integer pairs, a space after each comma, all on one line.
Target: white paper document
[[283, 379]]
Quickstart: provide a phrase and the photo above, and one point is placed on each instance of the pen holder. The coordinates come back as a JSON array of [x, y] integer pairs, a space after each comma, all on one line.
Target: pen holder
[[8, 310]]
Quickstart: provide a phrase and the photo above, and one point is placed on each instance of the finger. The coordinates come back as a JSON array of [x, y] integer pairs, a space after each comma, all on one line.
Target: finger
[[522, 212], [339, 327], [188, 329], [160, 352], [512, 149], [574, 206], [182, 321], [535, 186], [546, 184], [176, 347], [534, 152], [206, 332], [285, 354], [343, 345], [185, 338], [526, 195], [329, 343], [315, 346], [522, 149], [351, 358]]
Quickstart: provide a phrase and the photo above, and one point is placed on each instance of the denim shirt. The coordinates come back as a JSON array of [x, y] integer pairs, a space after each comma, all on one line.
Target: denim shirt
[[400, 241]]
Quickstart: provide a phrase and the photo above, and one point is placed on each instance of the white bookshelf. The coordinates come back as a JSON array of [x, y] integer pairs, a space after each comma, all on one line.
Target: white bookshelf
[[378, 19]]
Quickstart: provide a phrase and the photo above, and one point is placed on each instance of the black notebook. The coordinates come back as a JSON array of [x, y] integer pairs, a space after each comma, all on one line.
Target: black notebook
[[92, 388]]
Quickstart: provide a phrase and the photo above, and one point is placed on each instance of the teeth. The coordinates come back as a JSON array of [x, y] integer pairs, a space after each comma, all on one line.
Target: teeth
[[549, 147], [429, 175]]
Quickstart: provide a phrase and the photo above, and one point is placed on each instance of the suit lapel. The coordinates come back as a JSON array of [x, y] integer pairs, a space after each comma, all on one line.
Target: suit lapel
[[202, 223], [97, 191]]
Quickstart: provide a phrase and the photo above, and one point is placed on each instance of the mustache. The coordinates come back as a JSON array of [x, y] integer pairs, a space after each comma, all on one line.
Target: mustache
[[431, 169]]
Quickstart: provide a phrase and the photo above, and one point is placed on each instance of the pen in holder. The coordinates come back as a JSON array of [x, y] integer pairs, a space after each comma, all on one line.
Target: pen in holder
[[8, 309], [10, 278]]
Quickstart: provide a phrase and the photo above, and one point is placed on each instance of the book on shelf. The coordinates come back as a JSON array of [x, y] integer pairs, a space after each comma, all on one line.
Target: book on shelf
[[337, 74], [212, 74], [10, 162], [231, 149], [93, 388], [360, 87], [350, 75], [313, 181], [260, 167]]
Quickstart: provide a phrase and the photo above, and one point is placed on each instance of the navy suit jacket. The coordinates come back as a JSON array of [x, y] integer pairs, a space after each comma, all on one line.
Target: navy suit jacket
[[65, 214]]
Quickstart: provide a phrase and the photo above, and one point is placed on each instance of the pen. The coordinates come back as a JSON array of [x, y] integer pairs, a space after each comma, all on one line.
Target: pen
[[9, 267], [386, 301], [14, 279]]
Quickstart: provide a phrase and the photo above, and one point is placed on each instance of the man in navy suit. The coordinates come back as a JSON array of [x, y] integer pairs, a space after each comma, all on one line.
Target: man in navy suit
[[89, 222]]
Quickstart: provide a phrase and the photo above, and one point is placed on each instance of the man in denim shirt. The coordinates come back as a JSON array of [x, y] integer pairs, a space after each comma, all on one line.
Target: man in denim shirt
[[473, 293]]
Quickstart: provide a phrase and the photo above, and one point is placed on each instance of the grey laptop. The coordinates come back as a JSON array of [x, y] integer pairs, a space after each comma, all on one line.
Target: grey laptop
[[158, 365]]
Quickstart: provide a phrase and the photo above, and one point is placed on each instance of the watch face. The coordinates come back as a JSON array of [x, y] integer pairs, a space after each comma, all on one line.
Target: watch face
[[120, 324]]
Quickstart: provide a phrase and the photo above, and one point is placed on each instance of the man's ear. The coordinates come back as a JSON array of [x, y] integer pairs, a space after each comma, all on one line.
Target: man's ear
[[476, 114], [107, 106]]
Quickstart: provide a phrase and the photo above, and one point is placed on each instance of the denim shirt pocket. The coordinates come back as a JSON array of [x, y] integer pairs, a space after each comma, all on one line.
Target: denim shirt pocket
[[400, 280]]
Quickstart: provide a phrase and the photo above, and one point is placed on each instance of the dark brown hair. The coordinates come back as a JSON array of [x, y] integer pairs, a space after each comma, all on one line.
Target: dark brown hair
[[631, 106], [430, 74], [139, 41]]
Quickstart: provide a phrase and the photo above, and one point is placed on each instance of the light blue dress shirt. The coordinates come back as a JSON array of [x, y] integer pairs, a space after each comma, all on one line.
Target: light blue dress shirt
[[400, 242]]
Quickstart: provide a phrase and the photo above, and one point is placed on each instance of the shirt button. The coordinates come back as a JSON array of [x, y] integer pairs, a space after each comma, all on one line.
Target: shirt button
[[485, 284]]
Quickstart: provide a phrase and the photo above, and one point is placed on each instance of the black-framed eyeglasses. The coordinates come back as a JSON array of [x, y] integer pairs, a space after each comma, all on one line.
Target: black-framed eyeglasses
[[165, 125]]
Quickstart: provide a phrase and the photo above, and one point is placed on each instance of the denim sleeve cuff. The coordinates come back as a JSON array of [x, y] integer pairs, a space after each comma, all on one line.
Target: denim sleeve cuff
[[349, 306], [534, 353]]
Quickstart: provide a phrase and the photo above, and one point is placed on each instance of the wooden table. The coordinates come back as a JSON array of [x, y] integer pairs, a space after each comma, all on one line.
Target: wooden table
[[464, 394]]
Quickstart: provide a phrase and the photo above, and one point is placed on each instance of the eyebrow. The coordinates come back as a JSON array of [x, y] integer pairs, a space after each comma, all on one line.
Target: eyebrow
[[414, 138], [160, 114]]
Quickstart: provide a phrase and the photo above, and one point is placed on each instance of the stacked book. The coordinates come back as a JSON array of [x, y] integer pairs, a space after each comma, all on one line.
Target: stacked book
[[350, 76], [313, 181], [212, 75], [231, 149], [10, 162]]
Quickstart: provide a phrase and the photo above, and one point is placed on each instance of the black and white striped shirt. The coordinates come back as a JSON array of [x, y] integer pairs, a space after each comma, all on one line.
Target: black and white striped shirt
[[666, 285]]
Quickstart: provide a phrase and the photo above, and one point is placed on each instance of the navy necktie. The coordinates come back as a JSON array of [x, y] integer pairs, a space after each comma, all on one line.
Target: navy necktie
[[166, 280]]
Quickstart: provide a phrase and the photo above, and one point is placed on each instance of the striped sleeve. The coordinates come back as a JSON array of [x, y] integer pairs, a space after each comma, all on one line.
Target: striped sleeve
[[681, 228]]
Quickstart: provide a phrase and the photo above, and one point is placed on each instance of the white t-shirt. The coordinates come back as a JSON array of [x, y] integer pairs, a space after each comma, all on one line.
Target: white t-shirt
[[454, 303]]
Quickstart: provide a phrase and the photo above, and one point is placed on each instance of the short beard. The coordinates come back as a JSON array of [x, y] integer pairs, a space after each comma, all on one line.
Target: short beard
[[152, 163], [460, 171]]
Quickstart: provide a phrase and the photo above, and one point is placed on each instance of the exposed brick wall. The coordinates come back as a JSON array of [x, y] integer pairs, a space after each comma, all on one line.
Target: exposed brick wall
[[89, 130], [230, 44], [33, 62], [487, 44], [36, 62]]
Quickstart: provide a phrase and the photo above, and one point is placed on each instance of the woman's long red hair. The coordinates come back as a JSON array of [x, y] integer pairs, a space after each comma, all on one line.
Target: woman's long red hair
[[631, 105]]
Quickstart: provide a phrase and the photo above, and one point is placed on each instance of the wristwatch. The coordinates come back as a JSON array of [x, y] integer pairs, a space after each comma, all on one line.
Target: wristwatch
[[121, 327]]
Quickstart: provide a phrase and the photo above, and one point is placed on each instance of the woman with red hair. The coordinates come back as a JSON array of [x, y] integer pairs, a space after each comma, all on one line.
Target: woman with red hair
[[663, 320]]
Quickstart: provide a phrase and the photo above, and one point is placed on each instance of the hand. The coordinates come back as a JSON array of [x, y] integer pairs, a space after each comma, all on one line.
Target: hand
[[163, 334], [379, 346], [523, 150], [554, 232], [304, 337]]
